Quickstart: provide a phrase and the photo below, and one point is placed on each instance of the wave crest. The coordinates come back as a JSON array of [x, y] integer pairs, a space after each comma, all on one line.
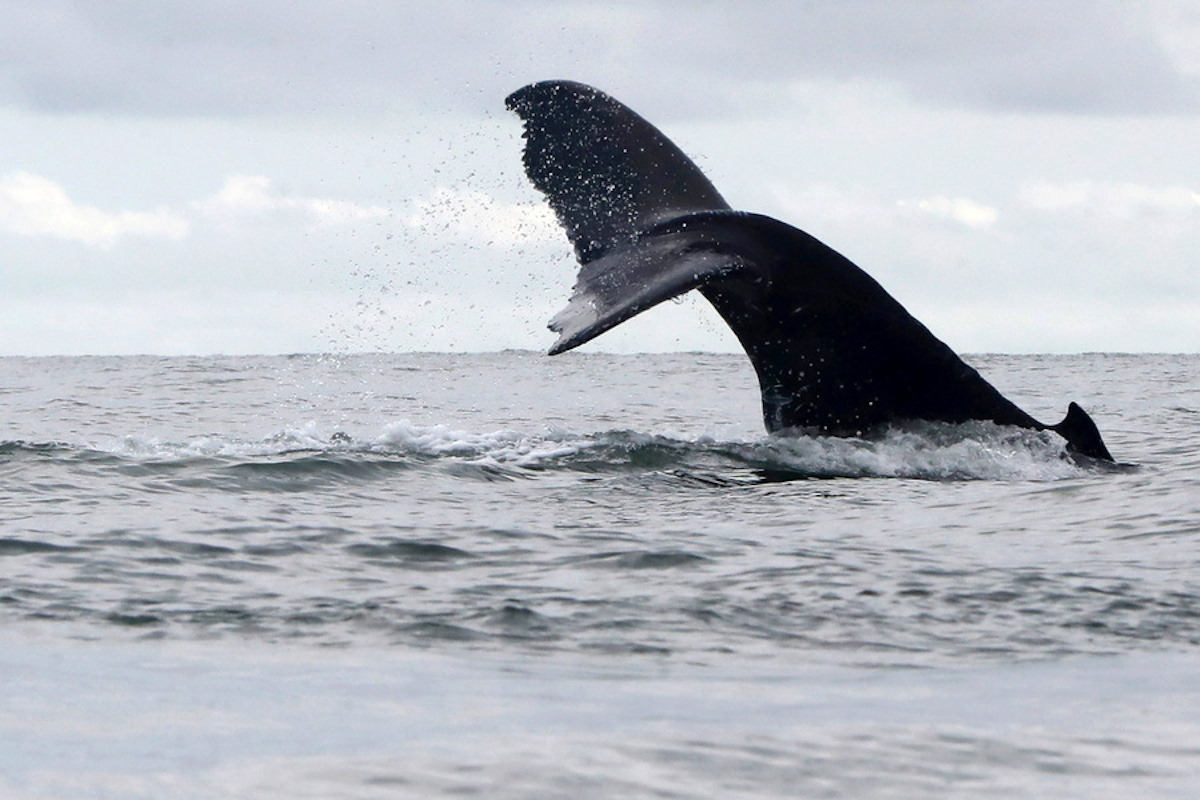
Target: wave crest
[[925, 451], [929, 451]]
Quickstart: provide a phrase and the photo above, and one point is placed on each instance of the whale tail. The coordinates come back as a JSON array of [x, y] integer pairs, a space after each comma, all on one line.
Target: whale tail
[[1081, 433], [833, 351]]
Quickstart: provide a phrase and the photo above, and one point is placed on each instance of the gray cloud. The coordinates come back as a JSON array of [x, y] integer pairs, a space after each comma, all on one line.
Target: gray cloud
[[364, 57], [1012, 55]]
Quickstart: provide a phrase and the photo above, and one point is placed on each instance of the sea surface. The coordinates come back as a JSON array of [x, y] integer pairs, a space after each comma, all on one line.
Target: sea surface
[[591, 576]]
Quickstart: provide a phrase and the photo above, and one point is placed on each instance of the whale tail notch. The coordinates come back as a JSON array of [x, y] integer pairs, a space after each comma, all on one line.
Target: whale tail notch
[[1082, 435]]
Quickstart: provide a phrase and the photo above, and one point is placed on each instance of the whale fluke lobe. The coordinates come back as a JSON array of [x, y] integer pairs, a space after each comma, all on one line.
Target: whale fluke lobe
[[833, 351], [633, 276], [1081, 433], [608, 173]]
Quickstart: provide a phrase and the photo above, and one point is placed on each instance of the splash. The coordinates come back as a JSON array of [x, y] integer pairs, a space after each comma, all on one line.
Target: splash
[[971, 451]]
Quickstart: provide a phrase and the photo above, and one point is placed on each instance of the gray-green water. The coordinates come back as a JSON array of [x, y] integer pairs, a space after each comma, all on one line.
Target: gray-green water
[[589, 576]]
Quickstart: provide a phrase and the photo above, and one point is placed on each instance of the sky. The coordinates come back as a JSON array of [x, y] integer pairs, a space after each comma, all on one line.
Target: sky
[[341, 175]]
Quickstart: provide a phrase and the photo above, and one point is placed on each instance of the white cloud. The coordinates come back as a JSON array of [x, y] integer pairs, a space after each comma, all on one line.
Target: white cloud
[[481, 216], [959, 209], [245, 196], [241, 195], [1110, 198], [31, 205], [819, 204]]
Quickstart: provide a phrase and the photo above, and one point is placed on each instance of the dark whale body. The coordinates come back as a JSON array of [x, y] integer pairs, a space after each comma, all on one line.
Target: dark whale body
[[834, 352]]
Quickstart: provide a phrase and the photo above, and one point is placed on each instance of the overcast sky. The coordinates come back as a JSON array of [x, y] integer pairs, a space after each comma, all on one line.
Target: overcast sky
[[333, 175]]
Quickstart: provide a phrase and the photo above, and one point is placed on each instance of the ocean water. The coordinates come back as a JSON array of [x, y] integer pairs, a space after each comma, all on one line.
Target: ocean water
[[512, 576]]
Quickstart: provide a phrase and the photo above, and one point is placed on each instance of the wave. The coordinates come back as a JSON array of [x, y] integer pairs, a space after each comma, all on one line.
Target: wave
[[931, 451], [925, 451]]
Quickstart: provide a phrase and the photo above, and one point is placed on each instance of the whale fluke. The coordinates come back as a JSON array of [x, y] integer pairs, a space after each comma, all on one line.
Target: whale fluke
[[1081, 433], [833, 351], [608, 173]]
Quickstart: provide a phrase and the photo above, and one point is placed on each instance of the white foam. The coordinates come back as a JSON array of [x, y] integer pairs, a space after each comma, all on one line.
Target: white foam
[[972, 451], [503, 446], [153, 448], [975, 451]]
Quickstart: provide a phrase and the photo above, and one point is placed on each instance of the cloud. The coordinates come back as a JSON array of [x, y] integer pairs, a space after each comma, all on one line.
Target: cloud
[[821, 203], [31, 205], [1178, 26], [251, 196], [959, 209], [1111, 199], [959, 152], [366, 57], [1058, 56]]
